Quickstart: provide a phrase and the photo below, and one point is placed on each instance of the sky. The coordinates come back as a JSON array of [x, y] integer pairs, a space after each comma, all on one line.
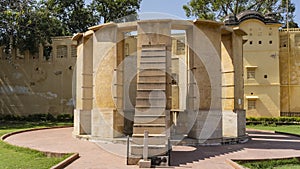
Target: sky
[[174, 7]]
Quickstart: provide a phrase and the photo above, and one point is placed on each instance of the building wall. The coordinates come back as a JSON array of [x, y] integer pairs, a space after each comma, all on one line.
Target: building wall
[[34, 83], [261, 57], [290, 72]]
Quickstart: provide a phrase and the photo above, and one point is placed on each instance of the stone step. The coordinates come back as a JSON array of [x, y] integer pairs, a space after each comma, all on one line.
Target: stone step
[[153, 53], [152, 62], [149, 135], [153, 86], [146, 107], [151, 128], [151, 103], [155, 111], [152, 73], [150, 93], [153, 59], [151, 140], [161, 66], [150, 98], [152, 79], [153, 150], [149, 125], [150, 82], [161, 47], [158, 119]]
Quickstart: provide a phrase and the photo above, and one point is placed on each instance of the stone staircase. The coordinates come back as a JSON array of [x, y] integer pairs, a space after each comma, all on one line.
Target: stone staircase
[[151, 102]]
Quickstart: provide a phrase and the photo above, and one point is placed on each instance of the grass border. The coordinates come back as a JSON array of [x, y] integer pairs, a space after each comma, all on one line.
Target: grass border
[[289, 134], [234, 164], [66, 162], [3, 137], [60, 165]]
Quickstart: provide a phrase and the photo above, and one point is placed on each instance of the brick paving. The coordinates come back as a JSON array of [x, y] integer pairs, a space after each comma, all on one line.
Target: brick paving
[[105, 155]]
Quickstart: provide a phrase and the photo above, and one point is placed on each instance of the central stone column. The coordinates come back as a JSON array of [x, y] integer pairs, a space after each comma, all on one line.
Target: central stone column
[[153, 101]]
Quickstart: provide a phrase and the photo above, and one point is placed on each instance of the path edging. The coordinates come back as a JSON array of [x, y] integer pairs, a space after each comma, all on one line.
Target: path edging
[[28, 130], [66, 162], [234, 164], [60, 165]]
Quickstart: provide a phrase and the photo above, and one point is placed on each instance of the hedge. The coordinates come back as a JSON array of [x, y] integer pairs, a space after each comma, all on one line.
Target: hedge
[[37, 117], [273, 120]]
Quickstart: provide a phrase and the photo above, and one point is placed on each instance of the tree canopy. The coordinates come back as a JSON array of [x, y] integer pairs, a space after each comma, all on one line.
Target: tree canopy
[[219, 9], [110, 10], [25, 24], [74, 16]]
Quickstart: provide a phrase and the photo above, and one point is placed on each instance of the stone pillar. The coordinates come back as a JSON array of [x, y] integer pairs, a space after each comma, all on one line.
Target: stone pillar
[[107, 114], [232, 58], [237, 42], [206, 66], [84, 86]]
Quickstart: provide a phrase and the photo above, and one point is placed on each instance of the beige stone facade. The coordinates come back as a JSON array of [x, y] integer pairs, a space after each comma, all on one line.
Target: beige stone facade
[[270, 66], [38, 83], [289, 71], [161, 76]]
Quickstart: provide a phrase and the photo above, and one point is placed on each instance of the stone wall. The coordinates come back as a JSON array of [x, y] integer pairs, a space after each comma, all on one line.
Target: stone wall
[[38, 83]]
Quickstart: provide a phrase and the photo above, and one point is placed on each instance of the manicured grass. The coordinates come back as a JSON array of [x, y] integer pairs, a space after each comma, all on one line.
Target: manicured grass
[[24, 158], [271, 164], [275, 164], [293, 129]]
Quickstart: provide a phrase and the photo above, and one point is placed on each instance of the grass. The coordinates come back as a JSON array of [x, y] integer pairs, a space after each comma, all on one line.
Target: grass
[[25, 158], [272, 164], [275, 164], [293, 129]]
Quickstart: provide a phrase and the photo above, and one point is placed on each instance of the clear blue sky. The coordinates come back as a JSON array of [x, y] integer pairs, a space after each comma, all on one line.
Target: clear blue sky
[[174, 7]]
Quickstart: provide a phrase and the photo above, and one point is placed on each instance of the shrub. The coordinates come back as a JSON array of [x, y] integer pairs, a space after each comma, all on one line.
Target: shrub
[[273, 120], [38, 118]]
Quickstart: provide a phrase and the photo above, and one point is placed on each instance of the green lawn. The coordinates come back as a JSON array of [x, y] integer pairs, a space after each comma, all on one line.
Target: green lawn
[[275, 164], [12, 157], [293, 129], [271, 164]]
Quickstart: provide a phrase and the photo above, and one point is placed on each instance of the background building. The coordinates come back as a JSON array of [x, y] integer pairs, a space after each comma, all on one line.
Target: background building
[[38, 83], [271, 57], [290, 71]]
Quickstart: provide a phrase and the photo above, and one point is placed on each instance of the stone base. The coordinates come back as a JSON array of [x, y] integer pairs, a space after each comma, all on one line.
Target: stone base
[[82, 122], [133, 160], [207, 126], [144, 164], [213, 142]]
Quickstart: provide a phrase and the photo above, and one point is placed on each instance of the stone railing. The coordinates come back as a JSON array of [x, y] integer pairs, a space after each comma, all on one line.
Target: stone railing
[[290, 30]]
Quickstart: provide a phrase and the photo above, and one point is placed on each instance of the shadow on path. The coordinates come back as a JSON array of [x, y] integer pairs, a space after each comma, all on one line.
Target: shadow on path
[[259, 140]]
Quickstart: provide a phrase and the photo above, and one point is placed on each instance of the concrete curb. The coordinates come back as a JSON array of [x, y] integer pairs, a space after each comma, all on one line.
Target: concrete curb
[[60, 165], [237, 166], [289, 134], [66, 162], [234, 164], [28, 130]]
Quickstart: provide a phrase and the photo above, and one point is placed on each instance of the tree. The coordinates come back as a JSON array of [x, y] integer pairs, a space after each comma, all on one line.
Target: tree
[[110, 10], [24, 26], [73, 15], [219, 9]]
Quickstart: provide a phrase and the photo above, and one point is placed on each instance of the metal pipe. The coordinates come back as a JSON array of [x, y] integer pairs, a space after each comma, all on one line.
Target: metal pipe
[[127, 158]]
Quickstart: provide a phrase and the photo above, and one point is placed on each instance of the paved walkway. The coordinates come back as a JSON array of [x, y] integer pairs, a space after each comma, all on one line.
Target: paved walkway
[[107, 155]]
